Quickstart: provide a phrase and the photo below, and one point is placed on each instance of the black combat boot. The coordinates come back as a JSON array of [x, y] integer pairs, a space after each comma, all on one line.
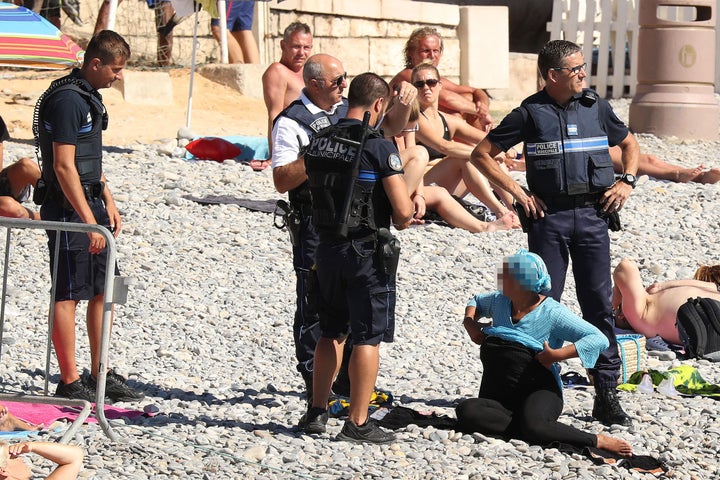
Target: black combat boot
[[607, 409]]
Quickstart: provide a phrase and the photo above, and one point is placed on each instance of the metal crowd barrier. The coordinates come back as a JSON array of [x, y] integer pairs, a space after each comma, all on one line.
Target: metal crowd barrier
[[116, 288]]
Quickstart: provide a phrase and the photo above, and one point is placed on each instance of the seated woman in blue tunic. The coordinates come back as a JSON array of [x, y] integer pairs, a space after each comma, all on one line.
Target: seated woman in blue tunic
[[521, 391]]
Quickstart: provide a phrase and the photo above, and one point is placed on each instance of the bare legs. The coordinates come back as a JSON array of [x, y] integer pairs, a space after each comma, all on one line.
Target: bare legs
[[63, 336]]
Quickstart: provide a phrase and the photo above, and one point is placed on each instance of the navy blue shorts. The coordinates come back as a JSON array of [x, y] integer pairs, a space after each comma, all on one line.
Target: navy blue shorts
[[356, 297], [80, 274], [239, 16]]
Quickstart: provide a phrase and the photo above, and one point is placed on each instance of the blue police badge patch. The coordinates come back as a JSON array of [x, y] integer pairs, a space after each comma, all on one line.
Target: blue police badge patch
[[394, 162]]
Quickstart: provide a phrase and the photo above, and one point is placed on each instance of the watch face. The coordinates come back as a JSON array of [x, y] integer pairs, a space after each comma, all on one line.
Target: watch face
[[630, 178]]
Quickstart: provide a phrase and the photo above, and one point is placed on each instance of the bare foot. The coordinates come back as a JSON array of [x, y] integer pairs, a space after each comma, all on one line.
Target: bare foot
[[711, 176], [684, 175], [615, 445], [10, 423], [509, 219]]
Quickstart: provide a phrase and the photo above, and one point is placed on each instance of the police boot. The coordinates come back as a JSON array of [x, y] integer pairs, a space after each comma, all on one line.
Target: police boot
[[607, 409]]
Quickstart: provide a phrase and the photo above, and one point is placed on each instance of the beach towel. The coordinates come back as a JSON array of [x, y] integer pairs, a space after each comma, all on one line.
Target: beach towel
[[265, 206], [251, 148], [688, 381], [43, 414]]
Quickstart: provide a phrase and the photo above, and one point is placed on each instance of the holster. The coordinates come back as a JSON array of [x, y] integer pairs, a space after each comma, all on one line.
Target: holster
[[525, 221], [40, 192], [388, 250], [613, 218], [291, 219]]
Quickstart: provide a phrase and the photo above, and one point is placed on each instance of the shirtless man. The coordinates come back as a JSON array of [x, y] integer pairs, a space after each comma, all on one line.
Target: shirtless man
[[653, 311], [425, 44], [283, 80]]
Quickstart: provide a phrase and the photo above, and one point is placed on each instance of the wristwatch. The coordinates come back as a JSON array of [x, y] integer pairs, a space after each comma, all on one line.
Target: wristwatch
[[629, 178]]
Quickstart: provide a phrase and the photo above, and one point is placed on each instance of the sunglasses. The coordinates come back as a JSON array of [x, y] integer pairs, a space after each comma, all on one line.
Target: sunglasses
[[573, 70], [339, 80], [430, 82]]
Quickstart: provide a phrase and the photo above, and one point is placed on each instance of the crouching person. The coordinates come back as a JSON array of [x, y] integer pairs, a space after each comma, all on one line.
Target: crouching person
[[357, 189]]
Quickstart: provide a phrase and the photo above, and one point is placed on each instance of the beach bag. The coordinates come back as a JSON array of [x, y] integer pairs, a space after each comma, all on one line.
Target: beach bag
[[698, 324]]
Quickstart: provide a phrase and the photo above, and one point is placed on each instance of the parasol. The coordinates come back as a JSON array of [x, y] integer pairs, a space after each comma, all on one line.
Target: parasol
[[28, 40]]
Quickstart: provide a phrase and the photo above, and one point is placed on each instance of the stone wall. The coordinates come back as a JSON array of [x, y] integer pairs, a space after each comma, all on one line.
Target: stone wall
[[370, 38]]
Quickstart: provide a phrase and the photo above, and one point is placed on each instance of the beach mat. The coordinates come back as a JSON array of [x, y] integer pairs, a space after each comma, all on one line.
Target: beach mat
[[43, 414], [265, 206], [252, 148]]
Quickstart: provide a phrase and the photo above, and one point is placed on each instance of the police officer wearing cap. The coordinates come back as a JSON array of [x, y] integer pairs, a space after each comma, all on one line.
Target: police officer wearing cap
[[572, 195], [357, 189]]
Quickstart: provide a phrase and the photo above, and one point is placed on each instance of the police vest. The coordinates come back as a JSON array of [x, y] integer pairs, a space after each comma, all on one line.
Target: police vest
[[88, 150], [312, 124], [568, 153], [342, 207]]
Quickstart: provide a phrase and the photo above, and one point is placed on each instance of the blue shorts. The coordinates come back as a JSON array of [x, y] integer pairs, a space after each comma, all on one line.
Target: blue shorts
[[80, 274], [356, 297], [239, 15]]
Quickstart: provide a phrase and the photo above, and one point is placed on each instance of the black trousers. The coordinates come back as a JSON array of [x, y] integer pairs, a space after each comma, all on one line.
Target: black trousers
[[519, 398]]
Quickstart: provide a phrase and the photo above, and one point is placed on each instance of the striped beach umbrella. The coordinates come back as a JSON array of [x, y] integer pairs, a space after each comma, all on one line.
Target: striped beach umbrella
[[28, 40]]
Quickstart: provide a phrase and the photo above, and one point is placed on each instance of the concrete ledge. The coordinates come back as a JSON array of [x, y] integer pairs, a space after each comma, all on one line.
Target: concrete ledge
[[146, 88], [245, 78]]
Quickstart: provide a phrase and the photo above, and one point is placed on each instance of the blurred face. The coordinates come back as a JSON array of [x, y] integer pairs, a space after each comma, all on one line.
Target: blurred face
[[428, 86], [570, 76], [296, 50], [427, 48]]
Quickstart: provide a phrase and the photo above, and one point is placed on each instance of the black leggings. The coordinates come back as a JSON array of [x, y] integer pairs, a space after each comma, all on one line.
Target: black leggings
[[519, 398]]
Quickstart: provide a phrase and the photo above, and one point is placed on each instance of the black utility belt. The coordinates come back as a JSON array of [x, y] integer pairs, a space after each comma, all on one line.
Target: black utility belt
[[572, 201], [94, 190]]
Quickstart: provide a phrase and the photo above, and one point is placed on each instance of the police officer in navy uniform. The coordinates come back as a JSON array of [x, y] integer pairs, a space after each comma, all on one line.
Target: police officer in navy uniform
[[320, 105], [69, 120], [357, 190], [573, 195]]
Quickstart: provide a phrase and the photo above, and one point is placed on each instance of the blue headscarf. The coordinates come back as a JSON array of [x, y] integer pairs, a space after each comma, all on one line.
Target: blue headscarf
[[529, 270]]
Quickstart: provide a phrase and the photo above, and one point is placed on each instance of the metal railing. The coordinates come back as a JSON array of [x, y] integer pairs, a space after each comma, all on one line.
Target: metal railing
[[116, 288]]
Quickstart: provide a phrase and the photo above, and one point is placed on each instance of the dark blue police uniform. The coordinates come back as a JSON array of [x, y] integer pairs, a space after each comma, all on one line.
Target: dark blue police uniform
[[306, 328], [357, 295], [72, 112], [569, 167]]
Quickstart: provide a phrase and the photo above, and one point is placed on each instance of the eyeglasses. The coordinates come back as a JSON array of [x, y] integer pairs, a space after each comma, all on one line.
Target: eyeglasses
[[430, 82], [339, 80], [572, 70], [412, 129]]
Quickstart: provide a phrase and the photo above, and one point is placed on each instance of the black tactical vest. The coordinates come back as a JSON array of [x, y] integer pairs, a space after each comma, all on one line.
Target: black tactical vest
[[569, 153], [341, 206], [311, 123], [88, 151]]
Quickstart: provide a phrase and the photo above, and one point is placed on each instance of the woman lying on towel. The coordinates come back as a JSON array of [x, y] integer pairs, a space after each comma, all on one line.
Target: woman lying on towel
[[521, 391]]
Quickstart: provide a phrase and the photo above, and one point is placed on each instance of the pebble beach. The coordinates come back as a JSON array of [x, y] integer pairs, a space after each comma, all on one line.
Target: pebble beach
[[206, 334]]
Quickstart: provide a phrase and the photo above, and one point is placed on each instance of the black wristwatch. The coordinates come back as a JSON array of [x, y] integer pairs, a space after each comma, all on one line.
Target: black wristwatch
[[629, 178]]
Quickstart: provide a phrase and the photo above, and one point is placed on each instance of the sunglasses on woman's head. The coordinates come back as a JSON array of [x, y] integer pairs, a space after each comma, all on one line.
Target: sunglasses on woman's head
[[431, 82]]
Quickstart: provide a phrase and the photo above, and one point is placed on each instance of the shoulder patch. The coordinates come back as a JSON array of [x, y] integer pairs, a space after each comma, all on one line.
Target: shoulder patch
[[394, 162]]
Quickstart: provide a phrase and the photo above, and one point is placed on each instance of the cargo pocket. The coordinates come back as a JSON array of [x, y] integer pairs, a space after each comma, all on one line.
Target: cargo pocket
[[547, 176], [601, 173]]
